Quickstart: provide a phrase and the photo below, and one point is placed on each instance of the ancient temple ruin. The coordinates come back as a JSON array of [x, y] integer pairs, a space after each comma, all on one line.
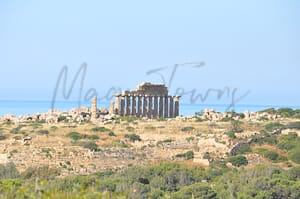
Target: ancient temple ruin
[[148, 100]]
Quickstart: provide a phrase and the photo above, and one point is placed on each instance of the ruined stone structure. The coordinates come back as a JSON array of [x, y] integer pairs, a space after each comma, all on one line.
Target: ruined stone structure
[[148, 100], [94, 108]]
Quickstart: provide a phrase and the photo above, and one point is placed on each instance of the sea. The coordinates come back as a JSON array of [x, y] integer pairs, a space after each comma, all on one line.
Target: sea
[[18, 108]]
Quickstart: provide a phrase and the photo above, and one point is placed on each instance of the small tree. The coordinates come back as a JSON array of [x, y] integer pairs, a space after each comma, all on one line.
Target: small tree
[[238, 160], [236, 126]]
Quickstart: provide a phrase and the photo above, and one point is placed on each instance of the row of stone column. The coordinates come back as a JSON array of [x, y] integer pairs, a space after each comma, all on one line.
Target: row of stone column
[[147, 106]]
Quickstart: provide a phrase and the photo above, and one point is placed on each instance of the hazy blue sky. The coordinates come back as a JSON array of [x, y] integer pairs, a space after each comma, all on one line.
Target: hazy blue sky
[[248, 45]]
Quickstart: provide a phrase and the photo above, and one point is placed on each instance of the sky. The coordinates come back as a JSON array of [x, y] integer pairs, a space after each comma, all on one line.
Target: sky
[[250, 49]]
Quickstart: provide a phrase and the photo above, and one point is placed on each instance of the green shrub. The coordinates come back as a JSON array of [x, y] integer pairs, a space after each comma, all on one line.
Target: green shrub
[[89, 145], [17, 137], [245, 149], [272, 140], [91, 137], [129, 129], [161, 119], [271, 155], [16, 130], [8, 170], [264, 138], [187, 128], [35, 125], [291, 136], [288, 142], [294, 173], [187, 155], [100, 129], [133, 137], [293, 125], [43, 172], [294, 155], [285, 112], [62, 118], [231, 135], [236, 126], [285, 145], [226, 119], [74, 135], [150, 128], [273, 126], [164, 141], [77, 136], [189, 139], [198, 190], [43, 132], [269, 110], [128, 118], [120, 144], [238, 160]]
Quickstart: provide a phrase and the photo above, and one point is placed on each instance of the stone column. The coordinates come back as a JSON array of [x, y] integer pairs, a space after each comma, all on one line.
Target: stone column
[[140, 108], [161, 110], [133, 109], [111, 108], [128, 100], [176, 106], [171, 107], [145, 104], [155, 109], [150, 107], [166, 111], [122, 105], [117, 104], [94, 108]]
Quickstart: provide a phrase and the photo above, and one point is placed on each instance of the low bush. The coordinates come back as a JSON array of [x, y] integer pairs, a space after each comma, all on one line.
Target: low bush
[[189, 139], [294, 155], [16, 130], [43, 172], [100, 129], [245, 149], [89, 145], [226, 119], [74, 135], [271, 155], [285, 112], [236, 126], [264, 138], [293, 125], [161, 119], [238, 160], [231, 135], [187, 128], [120, 144], [198, 190], [273, 126], [62, 118], [129, 129], [8, 170], [164, 141], [77, 136], [128, 118], [150, 128], [288, 142], [43, 132], [133, 137], [187, 155]]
